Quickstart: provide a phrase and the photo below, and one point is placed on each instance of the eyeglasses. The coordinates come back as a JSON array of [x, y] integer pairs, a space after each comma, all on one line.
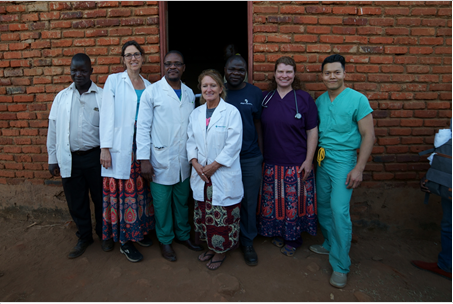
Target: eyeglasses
[[136, 55], [176, 64]]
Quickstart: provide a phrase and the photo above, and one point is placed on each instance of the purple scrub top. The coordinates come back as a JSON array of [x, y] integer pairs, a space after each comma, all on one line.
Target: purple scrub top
[[284, 136]]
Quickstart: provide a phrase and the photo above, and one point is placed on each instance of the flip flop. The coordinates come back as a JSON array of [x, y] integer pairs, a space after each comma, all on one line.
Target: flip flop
[[216, 262], [276, 241], [288, 250], [206, 256]]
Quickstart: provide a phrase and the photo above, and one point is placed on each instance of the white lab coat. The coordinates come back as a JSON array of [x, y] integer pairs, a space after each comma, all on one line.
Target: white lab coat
[[162, 131], [221, 142], [58, 147], [116, 127]]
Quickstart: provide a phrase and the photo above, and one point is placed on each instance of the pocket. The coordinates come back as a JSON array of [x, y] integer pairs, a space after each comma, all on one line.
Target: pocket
[[342, 123], [159, 158], [92, 116], [220, 137], [232, 183]]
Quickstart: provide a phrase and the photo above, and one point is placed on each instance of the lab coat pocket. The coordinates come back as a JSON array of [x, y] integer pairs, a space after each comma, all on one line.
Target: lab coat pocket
[[220, 136], [116, 140], [232, 183], [160, 157]]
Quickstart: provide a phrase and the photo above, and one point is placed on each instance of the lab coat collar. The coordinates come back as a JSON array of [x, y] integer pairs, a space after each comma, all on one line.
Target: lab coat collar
[[171, 92], [126, 77], [217, 113]]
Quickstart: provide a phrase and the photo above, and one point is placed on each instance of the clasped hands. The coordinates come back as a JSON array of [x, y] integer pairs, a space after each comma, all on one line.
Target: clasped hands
[[207, 171]]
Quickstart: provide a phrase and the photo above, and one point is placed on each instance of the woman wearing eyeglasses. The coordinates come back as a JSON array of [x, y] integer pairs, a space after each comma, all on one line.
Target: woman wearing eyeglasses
[[128, 215], [289, 120]]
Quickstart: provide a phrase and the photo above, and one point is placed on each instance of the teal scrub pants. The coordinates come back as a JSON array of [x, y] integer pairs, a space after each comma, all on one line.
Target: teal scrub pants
[[171, 203], [333, 206]]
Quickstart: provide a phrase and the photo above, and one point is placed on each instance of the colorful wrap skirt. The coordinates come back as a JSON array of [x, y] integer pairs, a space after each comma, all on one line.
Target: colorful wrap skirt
[[287, 206], [217, 225], [128, 213]]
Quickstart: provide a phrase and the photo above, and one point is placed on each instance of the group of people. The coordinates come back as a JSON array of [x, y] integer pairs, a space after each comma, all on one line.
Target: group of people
[[248, 157]]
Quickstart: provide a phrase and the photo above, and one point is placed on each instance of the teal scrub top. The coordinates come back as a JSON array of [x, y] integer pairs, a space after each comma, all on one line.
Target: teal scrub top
[[338, 128], [139, 95]]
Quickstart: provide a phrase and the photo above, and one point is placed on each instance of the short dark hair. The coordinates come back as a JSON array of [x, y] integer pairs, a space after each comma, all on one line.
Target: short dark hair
[[82, 57], [235, 57], [332, 59], [134, 43], [175, 52]]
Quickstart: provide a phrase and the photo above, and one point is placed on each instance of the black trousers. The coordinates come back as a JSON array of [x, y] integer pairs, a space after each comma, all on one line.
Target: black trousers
[[85, 177]]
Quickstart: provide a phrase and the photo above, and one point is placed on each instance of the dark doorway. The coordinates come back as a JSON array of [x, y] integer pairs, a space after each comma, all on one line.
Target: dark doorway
[[202, 30]]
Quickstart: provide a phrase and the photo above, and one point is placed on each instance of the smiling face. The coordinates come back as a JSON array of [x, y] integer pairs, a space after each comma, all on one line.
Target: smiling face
[[174, 67], [80, 72], [333, 76], [235, 72], [132, 58], [210, 89], [284, 75]]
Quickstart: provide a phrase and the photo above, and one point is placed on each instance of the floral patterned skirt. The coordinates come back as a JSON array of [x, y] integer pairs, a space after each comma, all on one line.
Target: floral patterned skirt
[[128, 213], [287, 206], [217, 225]]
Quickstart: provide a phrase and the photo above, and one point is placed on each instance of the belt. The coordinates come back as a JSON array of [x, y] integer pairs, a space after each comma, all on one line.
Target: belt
[[80, 153]]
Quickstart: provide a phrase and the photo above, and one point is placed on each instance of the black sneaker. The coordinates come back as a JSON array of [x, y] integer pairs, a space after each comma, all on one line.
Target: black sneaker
[[132, 254], [146, 242]]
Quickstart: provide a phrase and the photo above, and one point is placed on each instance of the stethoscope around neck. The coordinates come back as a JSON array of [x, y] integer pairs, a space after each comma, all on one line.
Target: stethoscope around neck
[[267, 98]]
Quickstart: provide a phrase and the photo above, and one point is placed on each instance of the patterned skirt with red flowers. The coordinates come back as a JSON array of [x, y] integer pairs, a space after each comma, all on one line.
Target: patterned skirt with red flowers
[[128, 213], [287, 205], [217, 225]]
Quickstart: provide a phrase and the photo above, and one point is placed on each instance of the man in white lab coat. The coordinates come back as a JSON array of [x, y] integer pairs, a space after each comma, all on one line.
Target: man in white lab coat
[[73, 149], [161, 148]]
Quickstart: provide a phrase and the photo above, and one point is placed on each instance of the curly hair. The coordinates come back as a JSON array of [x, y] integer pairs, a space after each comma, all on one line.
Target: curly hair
[[296, 85], [218, 80]]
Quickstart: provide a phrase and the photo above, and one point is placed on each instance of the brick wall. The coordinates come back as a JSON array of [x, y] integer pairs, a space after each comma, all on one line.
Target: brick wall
[[37, 42], [398, 53]]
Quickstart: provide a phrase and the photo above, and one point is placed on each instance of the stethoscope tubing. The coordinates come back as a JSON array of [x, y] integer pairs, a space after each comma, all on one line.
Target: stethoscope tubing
[[266, 101]]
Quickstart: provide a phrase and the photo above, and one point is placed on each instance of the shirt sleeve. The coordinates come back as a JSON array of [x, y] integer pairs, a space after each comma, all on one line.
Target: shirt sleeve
[[311, 118], [363, 108]]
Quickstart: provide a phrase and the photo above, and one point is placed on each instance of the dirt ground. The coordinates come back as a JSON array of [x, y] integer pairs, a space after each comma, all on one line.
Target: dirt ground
[[34, 267]]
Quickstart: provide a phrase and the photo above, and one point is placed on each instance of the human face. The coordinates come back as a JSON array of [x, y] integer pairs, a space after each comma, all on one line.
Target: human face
[[80, 73], [210, 89], [235, 72], [284, 75], [174, 67], [333, 76], [134, 62]]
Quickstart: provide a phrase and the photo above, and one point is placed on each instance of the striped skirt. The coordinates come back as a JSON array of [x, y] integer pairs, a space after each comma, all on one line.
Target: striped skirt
[[287, 206]]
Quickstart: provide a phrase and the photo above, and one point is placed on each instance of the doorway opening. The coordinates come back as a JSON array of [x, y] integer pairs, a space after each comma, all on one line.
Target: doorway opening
[[202, 30]]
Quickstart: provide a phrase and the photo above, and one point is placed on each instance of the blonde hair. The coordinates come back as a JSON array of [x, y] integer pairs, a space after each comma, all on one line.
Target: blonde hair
[[218, 80]]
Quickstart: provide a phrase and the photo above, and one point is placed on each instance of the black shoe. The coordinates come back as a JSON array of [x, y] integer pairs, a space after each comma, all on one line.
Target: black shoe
[[79, 249], [250, 256], [146, 242], [131, 253], [107, 245]]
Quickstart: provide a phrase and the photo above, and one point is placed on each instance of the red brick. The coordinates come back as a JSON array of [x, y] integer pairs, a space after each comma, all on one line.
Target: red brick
[[382, 21], [400, 131], [382, 176], [416, 87], [369, 11], [426, 96], [402, 96], [425, 113], [292, 9], [397, 11], [318, 10], [345, 10], [443, 114], [331, 39], [265, 9], [97, 51], [391, 87], [128, 31], [120, 12], [434, 22], [71, 15], [319, 48], [423, 32], [108, 60], [345, 49], [441, 123], [343, 30], [83, 24], [50, 34], [26, 36], [108, 3], [265, 29], [419, 69], [406, 40], [30, 17], [279, 38], [49, 16], [84, 42], [421, 50], [440, 87], [424, 12], [444, 12], [443, 50], [107, 22], [291, 29], [330, 20], [84, 4], [60, 24], [369, 30], [277, 19], [444, 32], [408, 21], [132, 3], [417, 132], [133, 21], [9, 18], [59, 6], [397, 149], [381, 59], [355, 21], [445, 96], [401, 113], [398, 31], [305, 20], [358, 39], [62, 43], [411, 122], [318, 29], [20, 81]]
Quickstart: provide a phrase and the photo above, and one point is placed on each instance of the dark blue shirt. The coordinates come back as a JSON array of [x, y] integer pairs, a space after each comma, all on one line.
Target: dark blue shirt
[[248, 102]]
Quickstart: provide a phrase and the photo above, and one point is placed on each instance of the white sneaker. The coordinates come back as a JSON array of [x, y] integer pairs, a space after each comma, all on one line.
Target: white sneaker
[[319, 249], [338, 279]]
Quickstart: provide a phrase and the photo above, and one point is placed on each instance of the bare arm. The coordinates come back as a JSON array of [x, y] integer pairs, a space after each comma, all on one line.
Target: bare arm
[[312, 142], [366, 130], [259, 131]]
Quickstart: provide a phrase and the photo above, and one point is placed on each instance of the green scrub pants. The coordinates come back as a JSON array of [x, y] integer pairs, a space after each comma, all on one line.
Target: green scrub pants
[[171, 203], [333, 206]]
